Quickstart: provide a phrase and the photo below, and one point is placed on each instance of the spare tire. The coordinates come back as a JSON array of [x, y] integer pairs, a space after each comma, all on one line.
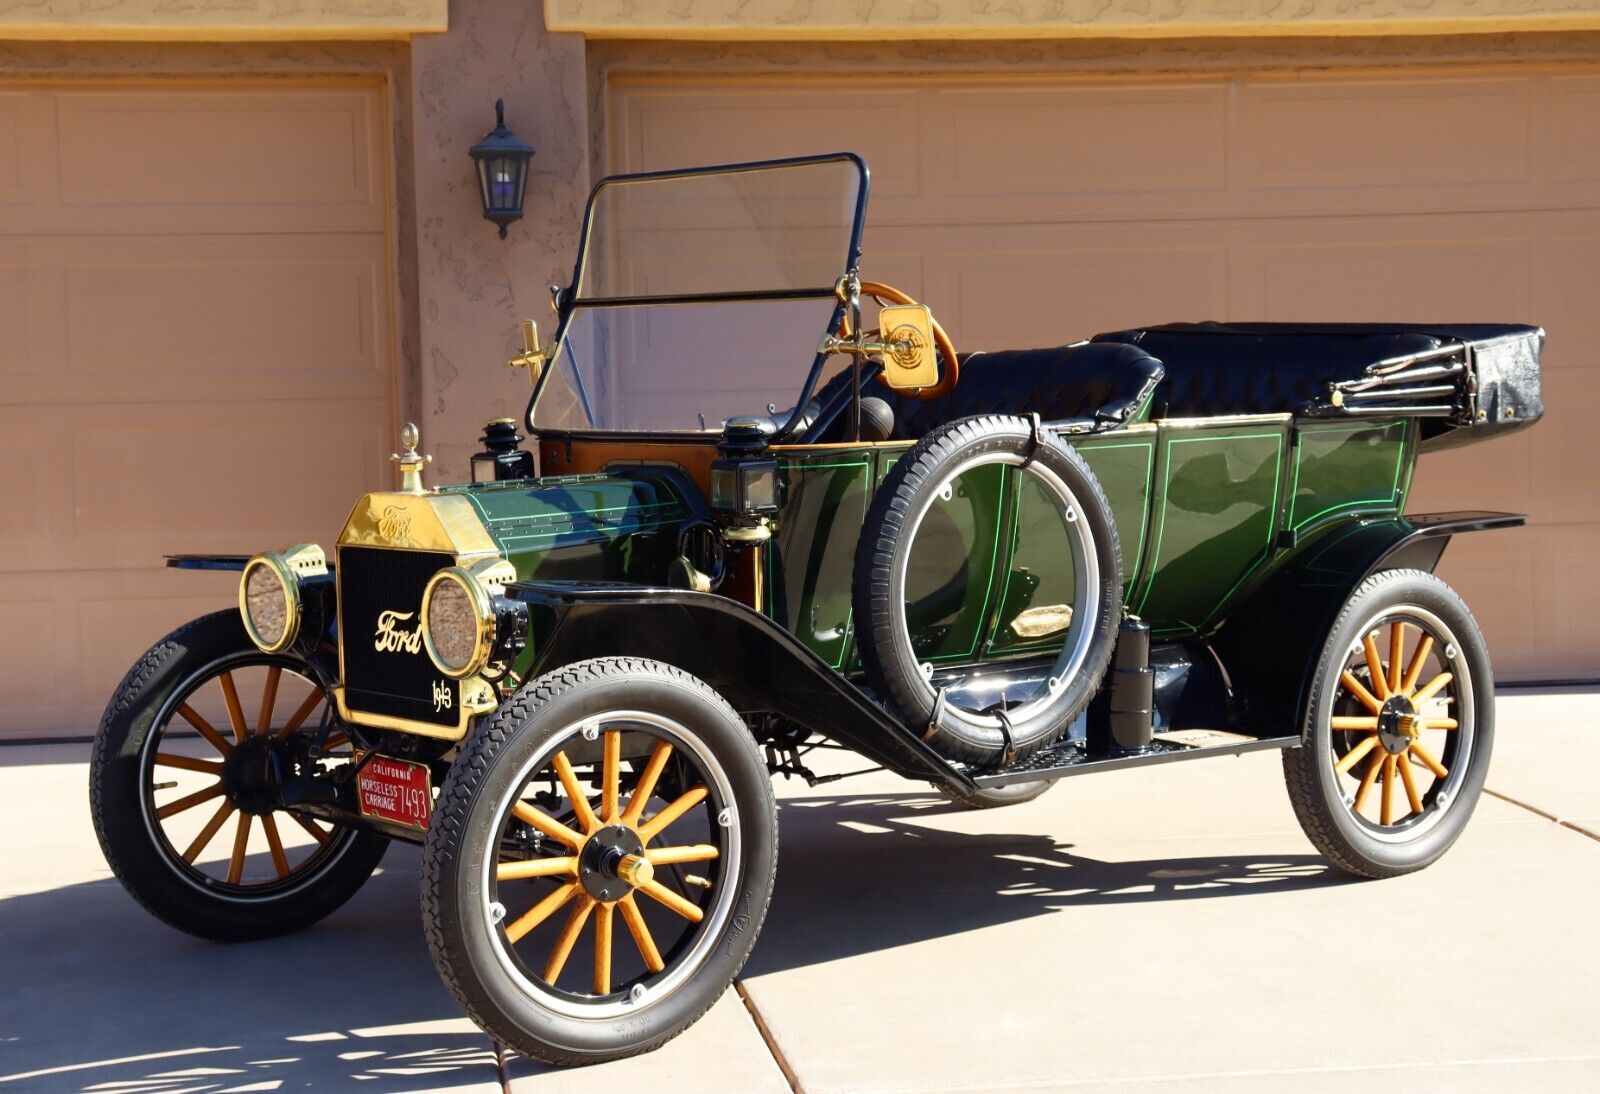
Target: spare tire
[[916, 493]]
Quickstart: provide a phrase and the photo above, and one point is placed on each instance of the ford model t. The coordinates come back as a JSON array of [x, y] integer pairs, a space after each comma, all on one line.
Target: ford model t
[[572, 678]]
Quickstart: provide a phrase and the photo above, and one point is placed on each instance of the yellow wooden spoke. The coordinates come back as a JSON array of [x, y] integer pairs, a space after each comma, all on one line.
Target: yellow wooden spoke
[[666, 856], [1366, 782], [1404, 766], [658, 823], [543, 822], [189, 801], [205, 729], [302, 712], [634, 918], [230, 692], [1440, 723], [1357, 723], [1397, 650], [602, 950], [1428, 760], [1430, 689], [672, 900], [609, 788], [241, 845], [575, 793], [280, 861], [189, 763], [568, 938], [1375, 667], [192, 852], [1408, 682], [1348, 679], [541, 911], [1387, 816], [535, 867], [269, 696], [310, 826], [1353, 757], [646, 786]]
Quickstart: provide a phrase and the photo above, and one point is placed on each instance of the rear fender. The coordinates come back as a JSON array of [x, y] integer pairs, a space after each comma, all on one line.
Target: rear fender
[[1271, 642], [750, 660]]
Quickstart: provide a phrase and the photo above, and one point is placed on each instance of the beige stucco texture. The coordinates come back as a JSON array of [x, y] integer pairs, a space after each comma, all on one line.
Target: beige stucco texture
[[947, 19]]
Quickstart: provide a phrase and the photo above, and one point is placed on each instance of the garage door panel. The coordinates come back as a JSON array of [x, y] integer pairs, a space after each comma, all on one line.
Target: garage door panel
[[253, 478], [1495, 572], [1568, 604], [159, 157], [1029, 297], [306, 307], [691, 128], [1075, 139], [34, 642], [1573, 151], [1335, 137], [181, 316], [13, 147], [1408, 278], [1497, 475]]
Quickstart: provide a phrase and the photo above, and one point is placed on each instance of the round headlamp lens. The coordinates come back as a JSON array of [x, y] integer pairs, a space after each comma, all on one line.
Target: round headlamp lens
[[455, 631], [268, 605]]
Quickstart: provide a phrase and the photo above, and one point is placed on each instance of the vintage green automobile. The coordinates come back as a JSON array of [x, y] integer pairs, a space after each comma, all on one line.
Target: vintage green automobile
[[572, 683]]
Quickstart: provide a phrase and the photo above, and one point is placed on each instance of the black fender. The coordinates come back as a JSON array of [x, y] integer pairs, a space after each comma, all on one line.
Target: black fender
[[207, 562], [751, 661], [1271, 642]]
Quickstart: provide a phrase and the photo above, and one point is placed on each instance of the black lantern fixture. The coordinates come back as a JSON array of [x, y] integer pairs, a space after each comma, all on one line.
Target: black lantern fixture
[[502, 158]]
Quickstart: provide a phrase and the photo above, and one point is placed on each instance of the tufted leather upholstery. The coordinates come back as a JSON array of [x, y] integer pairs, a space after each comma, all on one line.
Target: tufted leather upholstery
[[1106, 383], [1261, 368]]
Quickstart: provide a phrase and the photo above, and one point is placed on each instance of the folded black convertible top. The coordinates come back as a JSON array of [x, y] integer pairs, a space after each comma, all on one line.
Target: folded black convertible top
[[1465, 381]]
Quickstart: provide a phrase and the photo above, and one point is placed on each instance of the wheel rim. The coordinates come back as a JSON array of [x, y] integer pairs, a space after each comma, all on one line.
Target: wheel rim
[[1401, 724], [210, 791], [1086, 579], [569, 839]]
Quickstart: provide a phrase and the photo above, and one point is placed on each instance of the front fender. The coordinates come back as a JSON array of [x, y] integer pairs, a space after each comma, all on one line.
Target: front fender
[[1271, 642], [750, 660]]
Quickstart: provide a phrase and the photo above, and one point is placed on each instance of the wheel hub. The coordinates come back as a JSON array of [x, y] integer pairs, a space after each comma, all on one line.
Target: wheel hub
[[1398, 724], [251, 775], [612, 863]]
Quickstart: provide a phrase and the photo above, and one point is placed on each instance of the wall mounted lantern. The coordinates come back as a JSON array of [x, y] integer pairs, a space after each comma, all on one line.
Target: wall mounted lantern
[[502, 158]]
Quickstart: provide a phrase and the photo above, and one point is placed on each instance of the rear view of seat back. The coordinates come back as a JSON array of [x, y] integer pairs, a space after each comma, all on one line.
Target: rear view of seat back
[[1261, 368]]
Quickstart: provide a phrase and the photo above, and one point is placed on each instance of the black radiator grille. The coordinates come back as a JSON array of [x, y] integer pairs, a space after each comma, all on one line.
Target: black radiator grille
[[393, 680]]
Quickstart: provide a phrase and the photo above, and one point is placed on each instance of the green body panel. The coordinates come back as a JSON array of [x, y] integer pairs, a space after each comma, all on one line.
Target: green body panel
[[1205, 511], [585, 527]]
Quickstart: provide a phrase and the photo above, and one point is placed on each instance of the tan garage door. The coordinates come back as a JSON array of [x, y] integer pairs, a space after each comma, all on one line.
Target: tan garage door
[[1032, 212], [195, 351]]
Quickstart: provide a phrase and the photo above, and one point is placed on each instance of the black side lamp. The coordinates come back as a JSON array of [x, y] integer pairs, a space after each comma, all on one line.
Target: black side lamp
[[502, 158]]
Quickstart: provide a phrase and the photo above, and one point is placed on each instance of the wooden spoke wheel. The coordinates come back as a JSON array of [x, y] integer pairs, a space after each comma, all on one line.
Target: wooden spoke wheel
[[600, 861], [1399, 728], [185, 788]]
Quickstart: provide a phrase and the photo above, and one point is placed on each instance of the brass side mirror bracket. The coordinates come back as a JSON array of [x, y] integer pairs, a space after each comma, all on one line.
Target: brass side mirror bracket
[[533, 357]]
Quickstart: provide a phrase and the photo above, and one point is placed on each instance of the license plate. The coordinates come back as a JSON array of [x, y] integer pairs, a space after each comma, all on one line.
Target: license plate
[[396, 790]]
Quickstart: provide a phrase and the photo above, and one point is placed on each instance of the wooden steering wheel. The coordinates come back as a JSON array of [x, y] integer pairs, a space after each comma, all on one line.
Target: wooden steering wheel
[[949, 375]]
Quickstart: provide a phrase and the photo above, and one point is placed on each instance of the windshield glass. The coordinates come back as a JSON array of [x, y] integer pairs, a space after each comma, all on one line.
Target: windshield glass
[[702, 295]]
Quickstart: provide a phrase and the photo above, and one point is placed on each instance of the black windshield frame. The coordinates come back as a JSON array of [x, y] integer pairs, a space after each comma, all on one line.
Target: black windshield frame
[[567, 303]]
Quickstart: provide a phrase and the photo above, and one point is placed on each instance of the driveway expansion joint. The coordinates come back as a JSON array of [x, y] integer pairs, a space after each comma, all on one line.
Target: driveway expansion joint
[[1551, 817]]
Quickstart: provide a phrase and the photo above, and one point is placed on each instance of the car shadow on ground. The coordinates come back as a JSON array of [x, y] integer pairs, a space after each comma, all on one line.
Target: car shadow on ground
[[105, 997]]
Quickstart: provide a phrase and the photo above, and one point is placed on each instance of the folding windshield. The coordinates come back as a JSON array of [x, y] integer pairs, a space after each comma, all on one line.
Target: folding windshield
[[701, 295]]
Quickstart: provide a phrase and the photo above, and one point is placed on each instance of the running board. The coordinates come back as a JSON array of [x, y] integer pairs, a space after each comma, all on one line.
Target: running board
[[1073, 758]]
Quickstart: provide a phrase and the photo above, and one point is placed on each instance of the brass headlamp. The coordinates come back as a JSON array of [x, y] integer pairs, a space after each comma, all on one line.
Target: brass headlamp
[[271, 598]]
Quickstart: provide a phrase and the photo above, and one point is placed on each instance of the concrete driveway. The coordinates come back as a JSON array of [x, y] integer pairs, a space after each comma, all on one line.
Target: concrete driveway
[[1168, 928]]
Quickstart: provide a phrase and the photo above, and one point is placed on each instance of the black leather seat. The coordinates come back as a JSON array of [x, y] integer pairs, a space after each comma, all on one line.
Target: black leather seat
[[1101, 383], [1267, 368]]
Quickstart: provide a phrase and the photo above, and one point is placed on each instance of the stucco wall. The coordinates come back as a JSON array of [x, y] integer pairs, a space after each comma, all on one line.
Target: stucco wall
[[836, 20], [474, 287], [218, 20]]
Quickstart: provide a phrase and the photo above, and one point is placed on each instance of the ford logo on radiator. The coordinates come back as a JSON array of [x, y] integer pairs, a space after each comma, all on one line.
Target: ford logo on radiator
[[391, 638]]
